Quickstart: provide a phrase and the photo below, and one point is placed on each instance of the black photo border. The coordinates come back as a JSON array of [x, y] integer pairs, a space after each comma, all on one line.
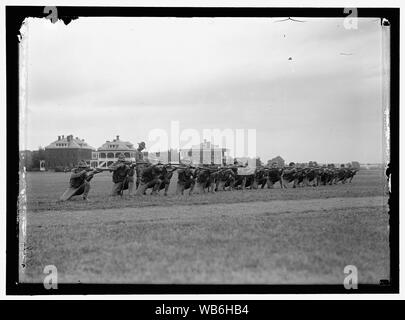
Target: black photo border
[[15, 15]]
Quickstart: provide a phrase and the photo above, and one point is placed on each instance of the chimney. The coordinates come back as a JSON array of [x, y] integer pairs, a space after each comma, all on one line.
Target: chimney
[[58, 138], [118, 137], [63, 137]]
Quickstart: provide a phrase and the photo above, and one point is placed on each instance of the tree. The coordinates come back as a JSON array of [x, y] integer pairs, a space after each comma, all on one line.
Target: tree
[[37, 155], [280, 161]]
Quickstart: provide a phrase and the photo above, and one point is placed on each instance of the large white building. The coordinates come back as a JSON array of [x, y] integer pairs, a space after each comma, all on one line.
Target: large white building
[[108, 153]]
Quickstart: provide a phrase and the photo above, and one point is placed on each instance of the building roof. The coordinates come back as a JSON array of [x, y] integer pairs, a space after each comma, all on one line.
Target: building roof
[[69, 142], [117, 145]]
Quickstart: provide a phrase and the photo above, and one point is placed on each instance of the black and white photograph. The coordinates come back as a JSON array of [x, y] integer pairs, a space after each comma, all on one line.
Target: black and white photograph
[[210, 149]]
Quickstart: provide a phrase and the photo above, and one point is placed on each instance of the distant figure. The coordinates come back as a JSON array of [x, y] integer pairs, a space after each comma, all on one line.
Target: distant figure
[[140, 162], [138, 152], [79, 182], [120, 172]]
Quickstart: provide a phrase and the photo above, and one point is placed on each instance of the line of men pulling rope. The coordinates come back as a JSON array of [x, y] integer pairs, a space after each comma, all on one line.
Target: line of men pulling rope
[[123, 176], [209, 178]]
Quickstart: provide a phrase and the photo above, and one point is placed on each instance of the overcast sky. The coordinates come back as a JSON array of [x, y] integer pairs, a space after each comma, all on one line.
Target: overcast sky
[[312, 90]]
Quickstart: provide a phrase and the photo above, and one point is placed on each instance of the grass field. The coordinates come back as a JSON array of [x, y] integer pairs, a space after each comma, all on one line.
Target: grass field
[[304, 235]]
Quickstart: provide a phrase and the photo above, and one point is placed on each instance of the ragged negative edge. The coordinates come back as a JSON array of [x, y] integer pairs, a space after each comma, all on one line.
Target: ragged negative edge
[[386, 84], [386, 106], [23, 37], [22, 196]]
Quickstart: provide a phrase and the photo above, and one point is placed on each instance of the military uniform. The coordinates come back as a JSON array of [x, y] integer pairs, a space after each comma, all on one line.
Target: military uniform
[[140, 163], [149, 177], [130, 179], [79, 183], [120, 171], [185, 180]]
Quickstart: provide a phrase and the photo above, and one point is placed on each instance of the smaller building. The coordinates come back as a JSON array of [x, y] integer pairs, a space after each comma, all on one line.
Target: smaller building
[[66, 152]]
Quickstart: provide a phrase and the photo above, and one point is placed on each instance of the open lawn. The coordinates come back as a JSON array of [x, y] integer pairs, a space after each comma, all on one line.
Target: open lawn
[[294, 236]]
